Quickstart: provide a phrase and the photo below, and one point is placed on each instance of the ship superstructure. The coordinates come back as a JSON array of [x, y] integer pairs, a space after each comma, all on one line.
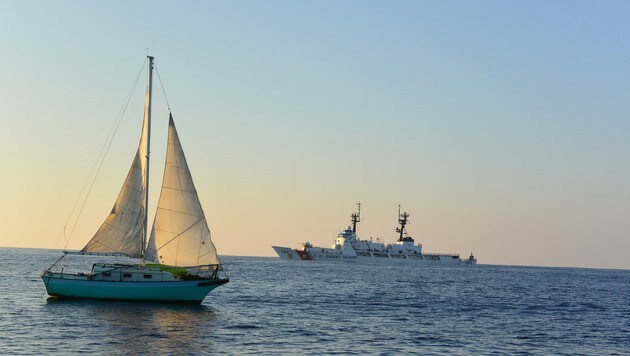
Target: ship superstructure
[[348, 246]]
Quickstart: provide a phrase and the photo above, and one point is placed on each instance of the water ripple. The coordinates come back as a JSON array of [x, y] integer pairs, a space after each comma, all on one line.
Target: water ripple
[[277, 307]]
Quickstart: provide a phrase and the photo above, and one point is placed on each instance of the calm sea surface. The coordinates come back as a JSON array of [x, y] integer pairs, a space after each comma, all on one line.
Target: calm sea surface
[[272, 306]]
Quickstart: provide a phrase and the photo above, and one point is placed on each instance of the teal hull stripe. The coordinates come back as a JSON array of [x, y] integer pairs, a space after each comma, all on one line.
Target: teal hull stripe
[[179, 291]]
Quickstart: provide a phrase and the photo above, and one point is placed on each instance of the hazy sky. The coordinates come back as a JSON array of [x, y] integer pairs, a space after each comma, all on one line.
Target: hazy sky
[[501, 126]]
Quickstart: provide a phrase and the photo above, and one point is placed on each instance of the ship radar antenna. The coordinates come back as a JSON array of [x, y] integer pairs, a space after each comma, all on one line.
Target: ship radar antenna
[[356, 217], [403, 221]]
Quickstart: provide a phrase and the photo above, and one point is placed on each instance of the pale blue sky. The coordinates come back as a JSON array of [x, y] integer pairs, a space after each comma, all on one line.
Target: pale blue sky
[[502, 127]]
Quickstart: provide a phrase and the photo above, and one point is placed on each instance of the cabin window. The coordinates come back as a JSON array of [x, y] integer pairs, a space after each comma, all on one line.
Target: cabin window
[[107, 274], [126, 275], [147, 276]]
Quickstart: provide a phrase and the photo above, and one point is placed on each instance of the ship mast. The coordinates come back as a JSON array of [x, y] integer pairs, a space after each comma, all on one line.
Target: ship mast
[[147, 153], [402, 220], [356, 217]]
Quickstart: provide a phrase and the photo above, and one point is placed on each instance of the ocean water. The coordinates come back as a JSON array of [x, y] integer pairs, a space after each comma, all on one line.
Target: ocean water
[[283, 307]]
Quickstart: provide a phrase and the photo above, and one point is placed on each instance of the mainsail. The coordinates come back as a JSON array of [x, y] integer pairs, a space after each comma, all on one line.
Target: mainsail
[[122, 230], [180, 235]]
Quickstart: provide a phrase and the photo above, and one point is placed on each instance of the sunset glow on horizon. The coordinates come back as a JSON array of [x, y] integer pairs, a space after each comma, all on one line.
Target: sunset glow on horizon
[[501, 127]]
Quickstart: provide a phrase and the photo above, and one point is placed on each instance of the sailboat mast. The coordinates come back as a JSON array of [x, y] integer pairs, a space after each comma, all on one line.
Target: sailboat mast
[[147, 154]]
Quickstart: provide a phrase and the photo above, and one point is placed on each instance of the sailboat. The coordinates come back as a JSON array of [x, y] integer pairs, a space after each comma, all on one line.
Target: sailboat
[[178, 260]]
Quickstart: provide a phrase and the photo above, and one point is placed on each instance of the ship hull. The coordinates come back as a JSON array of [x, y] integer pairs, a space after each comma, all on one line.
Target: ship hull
[[81, 287], [329, 254]]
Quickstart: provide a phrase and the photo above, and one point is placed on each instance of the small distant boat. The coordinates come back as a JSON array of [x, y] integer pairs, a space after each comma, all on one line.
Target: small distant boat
[[348, 247], [186, 266]]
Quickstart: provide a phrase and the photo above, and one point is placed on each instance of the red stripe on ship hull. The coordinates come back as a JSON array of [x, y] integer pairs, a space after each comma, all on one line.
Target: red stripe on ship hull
[[304, 255]]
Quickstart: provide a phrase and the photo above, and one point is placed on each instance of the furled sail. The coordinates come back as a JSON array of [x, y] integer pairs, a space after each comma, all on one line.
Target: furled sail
[[180, 235], [122, 230]]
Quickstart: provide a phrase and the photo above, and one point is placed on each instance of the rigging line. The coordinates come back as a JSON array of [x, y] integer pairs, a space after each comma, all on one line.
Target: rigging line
[[178, 235], [111, 140], [162, 85], [179, 177], [200, 243], [87, 179], [113, 249]]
